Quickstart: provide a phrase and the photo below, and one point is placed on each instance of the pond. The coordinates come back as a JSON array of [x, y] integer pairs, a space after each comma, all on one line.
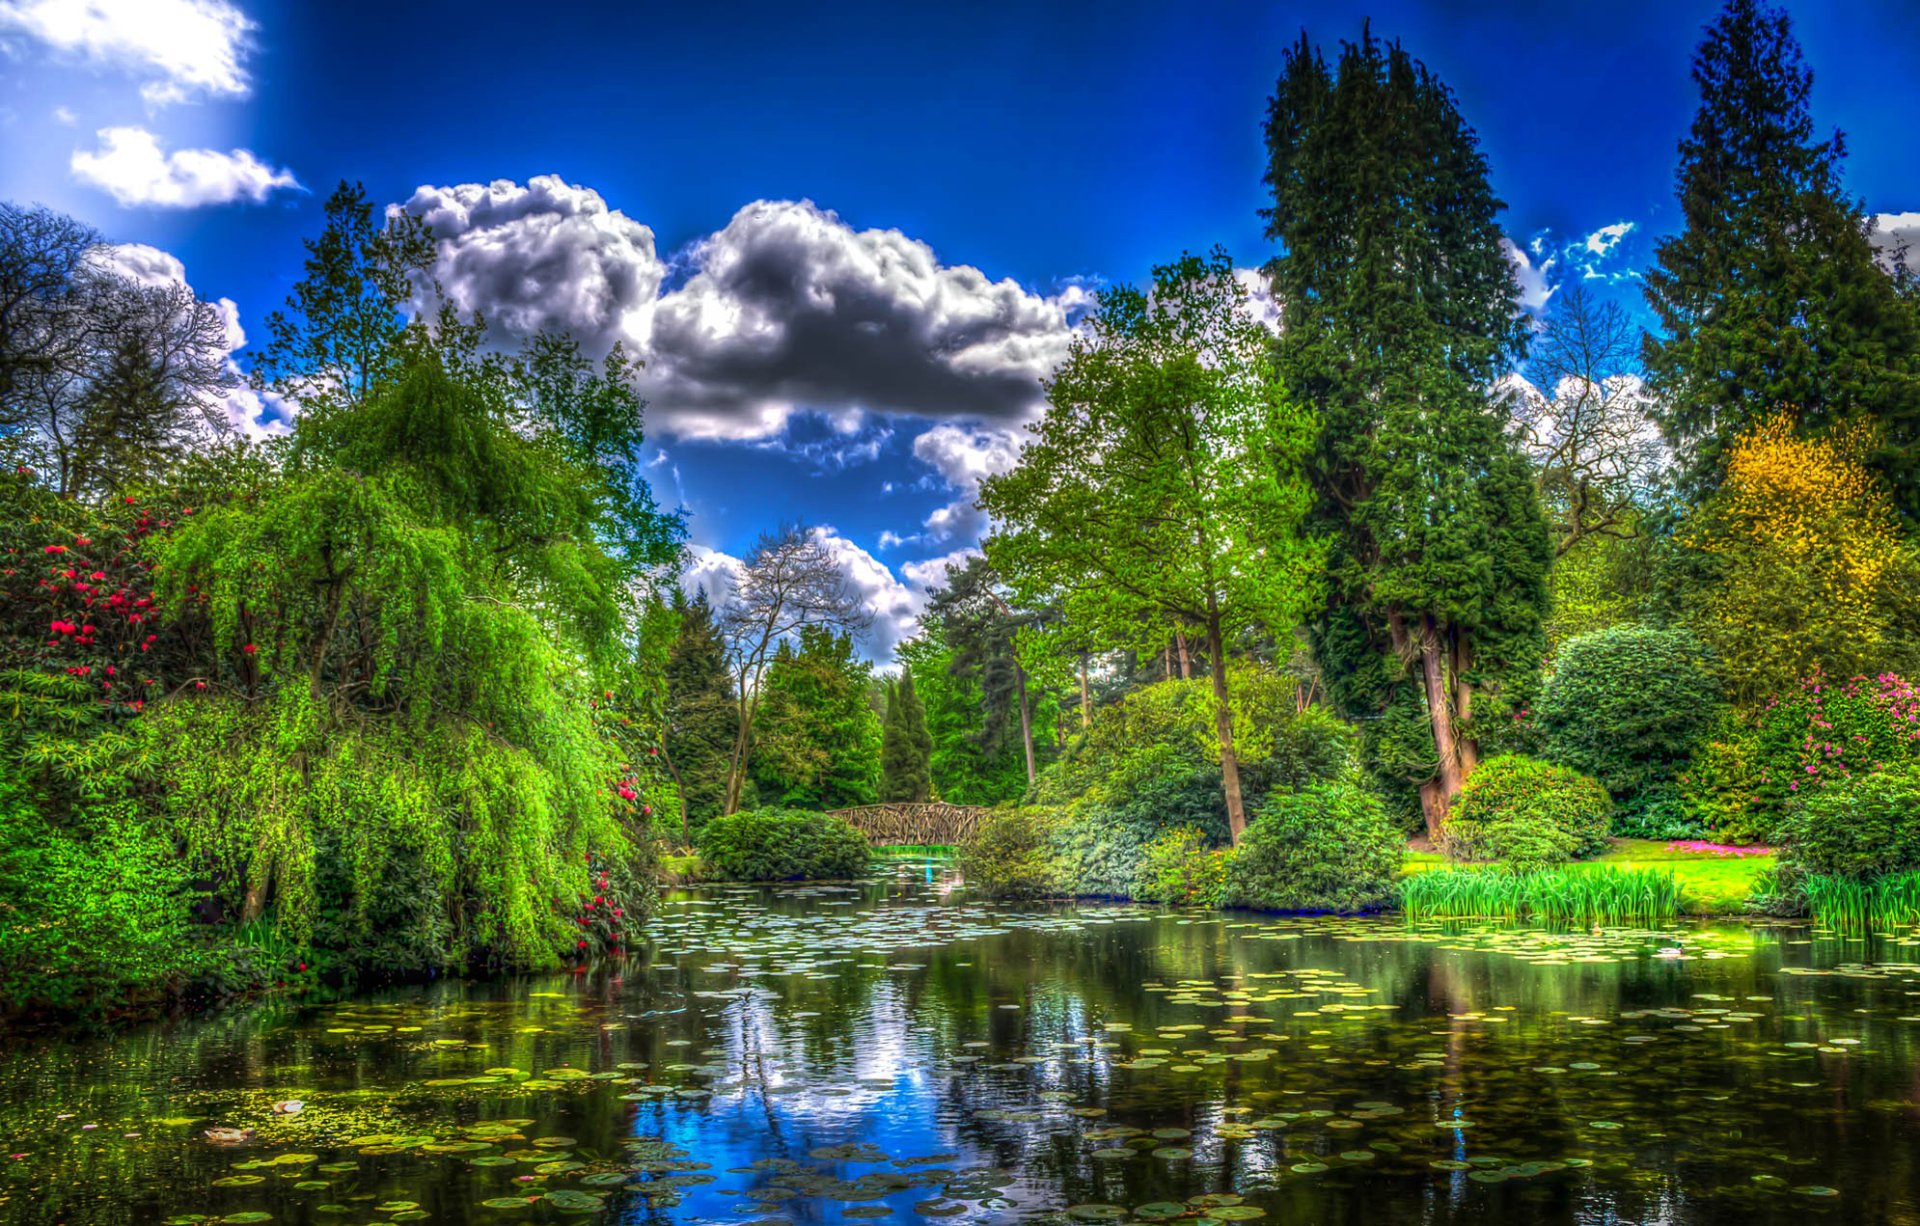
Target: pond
[[895, 1051]]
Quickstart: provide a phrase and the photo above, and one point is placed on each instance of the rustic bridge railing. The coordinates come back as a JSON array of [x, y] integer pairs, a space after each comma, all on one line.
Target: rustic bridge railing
[[915, 823]]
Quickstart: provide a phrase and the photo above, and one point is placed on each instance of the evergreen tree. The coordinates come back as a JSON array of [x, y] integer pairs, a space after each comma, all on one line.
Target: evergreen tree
[[1771, 298], [816, 737], [702, 717], [961, 768], [1400, 311], [905, 747]]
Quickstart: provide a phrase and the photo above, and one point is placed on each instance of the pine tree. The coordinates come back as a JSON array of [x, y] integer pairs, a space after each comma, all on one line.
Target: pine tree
[[702, 716], [1771, 298], [1400, 311], [905, 747]]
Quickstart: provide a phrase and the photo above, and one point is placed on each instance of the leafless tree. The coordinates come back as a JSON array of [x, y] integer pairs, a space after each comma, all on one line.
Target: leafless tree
[[41, 252], [1586, 420], [107, 379], [790, 580]]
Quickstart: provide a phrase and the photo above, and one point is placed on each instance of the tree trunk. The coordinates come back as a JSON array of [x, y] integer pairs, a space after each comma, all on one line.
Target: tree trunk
[[1186, 657], [1026, 717], [1436, 795], [1086, 696], [737, 766], [1223, 727]]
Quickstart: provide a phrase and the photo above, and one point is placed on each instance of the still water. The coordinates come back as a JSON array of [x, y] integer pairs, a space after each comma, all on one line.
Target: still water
[[897, 1051]]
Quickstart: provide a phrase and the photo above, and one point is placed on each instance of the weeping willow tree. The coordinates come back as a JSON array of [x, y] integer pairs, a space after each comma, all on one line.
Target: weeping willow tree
[[412, 730]]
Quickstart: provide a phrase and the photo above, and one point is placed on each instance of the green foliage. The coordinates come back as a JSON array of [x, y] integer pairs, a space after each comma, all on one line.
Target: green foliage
[[1861, 827], [1773, 295], [1401, 310], [1330, 848], [1163, 489], [702, 715], [1182, 867], [1010, 855], [93, 912], [1627, 705], [816, 738], [1577, 898], [969, 761], [1858, 906], [1603, 580], [782, 845], [906, 748], [1749, 773], [344, 332], [1528, 814]]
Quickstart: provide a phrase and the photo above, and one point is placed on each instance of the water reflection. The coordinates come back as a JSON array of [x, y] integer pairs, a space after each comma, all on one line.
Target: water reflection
[[898, 1051]]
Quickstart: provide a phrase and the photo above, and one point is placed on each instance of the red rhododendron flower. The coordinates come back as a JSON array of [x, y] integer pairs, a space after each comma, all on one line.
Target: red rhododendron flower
[[248, 650], [56, 549]]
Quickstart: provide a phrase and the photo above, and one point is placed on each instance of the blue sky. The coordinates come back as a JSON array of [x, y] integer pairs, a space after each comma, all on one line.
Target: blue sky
[[971, 172]]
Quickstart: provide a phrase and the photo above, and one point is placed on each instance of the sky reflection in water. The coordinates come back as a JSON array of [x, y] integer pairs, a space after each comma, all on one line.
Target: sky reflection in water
[[897, 1052]]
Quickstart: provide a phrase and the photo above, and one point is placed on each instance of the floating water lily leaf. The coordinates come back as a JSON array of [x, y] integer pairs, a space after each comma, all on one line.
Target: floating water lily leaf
[[508, 1202], [570, 1201], [239, 1181]]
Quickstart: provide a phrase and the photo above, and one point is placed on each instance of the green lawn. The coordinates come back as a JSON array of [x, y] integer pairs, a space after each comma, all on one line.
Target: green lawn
[[1711, 884]]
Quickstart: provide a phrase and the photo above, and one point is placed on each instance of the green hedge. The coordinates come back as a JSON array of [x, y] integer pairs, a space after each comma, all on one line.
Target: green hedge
[[782, 845], [1182, 867], [1330, 848], [1528, 814]]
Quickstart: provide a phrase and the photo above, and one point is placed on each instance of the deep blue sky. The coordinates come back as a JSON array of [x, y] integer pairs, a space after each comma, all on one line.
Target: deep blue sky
[[1044, 142]]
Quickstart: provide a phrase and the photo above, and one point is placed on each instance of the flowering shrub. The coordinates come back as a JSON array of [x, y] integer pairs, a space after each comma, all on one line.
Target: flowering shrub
[[1750, 771]]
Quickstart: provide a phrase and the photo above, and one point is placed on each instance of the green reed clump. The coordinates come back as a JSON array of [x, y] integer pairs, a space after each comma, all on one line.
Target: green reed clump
[[1568, 898], [1852, 904]]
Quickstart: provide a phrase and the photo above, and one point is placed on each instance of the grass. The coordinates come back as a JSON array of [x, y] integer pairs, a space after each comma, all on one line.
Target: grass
[[1710, 883], [1576, 897], [915, 851], [1850, 905]]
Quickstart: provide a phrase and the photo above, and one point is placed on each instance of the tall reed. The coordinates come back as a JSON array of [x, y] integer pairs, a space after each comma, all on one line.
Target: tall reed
[[1562, 898], [1853, 905]]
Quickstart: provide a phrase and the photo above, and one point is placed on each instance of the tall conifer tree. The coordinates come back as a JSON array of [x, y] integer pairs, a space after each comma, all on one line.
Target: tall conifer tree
[[1401, 310], [1771, 298]]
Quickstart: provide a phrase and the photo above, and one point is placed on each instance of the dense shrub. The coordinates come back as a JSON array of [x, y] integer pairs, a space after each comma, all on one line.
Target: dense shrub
[[1725, 787], [1528, 814], [1627, 705], [1096, 850], [92, 916], [1182, 867], [1332, 847], [782, 845], [1865, 826], [1011, 854]]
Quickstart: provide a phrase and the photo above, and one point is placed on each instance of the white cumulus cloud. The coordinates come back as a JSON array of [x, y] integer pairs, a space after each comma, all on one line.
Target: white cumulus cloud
[[131, 167], [1897, 235], [548, 256], [786, 309], [181, 48]]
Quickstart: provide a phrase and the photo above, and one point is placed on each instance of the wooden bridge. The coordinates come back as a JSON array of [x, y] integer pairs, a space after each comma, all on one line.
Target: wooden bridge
[[916, 824]]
